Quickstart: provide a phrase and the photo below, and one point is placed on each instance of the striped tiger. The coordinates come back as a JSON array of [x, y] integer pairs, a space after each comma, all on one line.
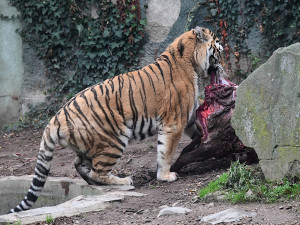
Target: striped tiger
[[99, 121]]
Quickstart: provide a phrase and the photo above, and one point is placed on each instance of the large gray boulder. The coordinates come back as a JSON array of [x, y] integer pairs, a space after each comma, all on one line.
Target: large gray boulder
[[267, 113]]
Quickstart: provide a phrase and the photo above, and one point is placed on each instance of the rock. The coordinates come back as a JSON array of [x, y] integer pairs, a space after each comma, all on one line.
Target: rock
[[173, 210], [163, 206], [215, 196], [228, 215], [161, 15], [267, 113], [289, 207], [249, 194], [210, 205]]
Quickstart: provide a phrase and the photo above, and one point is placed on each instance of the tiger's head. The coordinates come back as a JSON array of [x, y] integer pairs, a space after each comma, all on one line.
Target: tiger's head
[[201, 47], [209, 45]]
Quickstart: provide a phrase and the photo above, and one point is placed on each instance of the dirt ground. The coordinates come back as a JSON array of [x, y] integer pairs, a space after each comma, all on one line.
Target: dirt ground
[[18, 152]]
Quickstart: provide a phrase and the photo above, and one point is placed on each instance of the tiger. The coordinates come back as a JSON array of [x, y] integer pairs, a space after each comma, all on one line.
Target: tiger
[[98, 122]]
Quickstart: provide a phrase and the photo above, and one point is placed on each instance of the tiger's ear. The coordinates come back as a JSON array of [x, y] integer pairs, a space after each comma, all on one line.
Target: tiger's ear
[[201, 34]]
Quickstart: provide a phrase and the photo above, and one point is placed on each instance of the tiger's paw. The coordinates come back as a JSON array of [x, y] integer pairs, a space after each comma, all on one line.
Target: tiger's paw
[[171, 176], [127, 181], [117, 180]]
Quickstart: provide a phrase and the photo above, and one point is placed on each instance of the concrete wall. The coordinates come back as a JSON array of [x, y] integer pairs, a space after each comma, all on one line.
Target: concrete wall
[[11, 65], [22, 74]]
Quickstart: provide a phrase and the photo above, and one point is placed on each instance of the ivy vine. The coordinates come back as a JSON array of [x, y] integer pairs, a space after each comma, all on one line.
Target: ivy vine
[[82, 42], [278, 22]]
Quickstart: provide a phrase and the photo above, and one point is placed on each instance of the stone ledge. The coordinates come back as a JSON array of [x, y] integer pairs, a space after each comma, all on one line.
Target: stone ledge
[[75, 206]]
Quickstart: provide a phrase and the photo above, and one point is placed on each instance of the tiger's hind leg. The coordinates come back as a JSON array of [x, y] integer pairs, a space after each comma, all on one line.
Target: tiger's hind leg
[[83, 166], [102, 163]]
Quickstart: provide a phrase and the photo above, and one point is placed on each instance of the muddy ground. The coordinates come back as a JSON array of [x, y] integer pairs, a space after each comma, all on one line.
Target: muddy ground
[[18, 153]]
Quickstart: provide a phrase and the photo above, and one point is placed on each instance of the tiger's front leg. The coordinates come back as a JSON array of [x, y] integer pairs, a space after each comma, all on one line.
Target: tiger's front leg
[[168, 139]]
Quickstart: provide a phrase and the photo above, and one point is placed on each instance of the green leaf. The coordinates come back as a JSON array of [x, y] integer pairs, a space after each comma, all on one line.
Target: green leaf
[[105, 33], [118, 33], [143, 22], [79, 28]]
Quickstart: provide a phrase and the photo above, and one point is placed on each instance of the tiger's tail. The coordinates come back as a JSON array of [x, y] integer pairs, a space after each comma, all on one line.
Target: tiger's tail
[[42, 169]]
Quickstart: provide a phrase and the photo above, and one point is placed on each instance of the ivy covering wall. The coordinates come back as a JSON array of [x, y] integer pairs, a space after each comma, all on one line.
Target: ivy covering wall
[[278, 22], [82, 42]]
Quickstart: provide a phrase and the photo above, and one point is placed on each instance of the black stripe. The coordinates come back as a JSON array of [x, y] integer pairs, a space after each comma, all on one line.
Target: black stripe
[[143, 97], [142, 82], [113, 145], [150, 80], [49, 138], [107, 92], [159, 142], [161, 72], [100, 171], [45, 158], [172, 53], [96, 114], [47, 148], [72, 140], [153, 72], [111, 83], [133, 109], [142, 135], [150, 128], [82, 95], [111, 155], [121, 84], [56, 122], [86, 144], [104, 164], [31, 197], [21, 207], [67, 115], [111, 112], [131, 76], [120, 106], [27, 203], [180, 47], [101, 88], [38, 183], [41, 169], [16, 210], [162, 154]]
